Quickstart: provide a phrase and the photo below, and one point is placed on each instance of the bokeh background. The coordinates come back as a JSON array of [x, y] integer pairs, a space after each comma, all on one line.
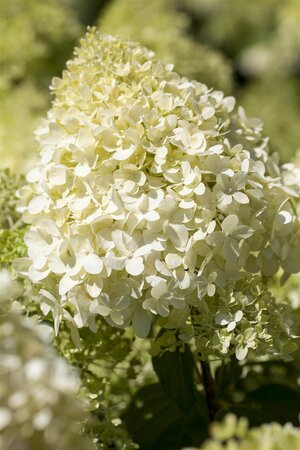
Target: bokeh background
[[250, 49]]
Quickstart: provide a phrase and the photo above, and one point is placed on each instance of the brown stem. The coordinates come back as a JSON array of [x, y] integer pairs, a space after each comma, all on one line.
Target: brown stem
[[208, 381], [209, 389]]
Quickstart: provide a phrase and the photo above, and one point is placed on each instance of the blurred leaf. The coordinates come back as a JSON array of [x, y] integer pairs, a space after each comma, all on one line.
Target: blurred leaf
[[155, 421], [268, 392], [227, 377], [276, 403], [231, 376], [175, 373], [274, 372], [269, 403]]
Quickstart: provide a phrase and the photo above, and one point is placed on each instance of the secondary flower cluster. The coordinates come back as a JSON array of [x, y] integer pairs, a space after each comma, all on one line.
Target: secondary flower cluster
[[39, 409], [152, 192], [235, 434], [242, 319]]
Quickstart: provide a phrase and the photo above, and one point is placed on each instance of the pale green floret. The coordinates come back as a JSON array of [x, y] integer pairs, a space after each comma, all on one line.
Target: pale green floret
[[154, 195], [161, 28], [234, 434], [39, 409], [242, 320]]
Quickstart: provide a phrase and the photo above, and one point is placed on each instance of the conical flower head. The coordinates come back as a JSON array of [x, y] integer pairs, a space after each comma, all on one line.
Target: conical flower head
[[152, 192]]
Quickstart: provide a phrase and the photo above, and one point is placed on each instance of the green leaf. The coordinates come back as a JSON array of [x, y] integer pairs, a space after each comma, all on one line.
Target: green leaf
[[175, 371], [269, 403], [155, 421], [271, 372], [276, 403], [227, 377], [269, 392]]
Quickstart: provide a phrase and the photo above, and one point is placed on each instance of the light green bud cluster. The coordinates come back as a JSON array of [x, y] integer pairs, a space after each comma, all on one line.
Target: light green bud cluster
[[235, 434], [39, 409], [11, 245], [242, 319], [161, 28], [152, 196]]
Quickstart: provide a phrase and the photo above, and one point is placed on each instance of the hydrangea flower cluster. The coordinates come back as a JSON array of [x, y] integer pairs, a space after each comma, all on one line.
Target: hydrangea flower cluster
[[235, 434], [39, 409], [152, 193]]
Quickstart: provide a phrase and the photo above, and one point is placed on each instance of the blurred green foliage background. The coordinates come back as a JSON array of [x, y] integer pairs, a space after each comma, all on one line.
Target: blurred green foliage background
[[250, 49]]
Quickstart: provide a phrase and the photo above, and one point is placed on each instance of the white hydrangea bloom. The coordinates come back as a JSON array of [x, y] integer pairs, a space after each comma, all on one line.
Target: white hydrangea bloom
[[39, 409], [234, 433], [152, 192]]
